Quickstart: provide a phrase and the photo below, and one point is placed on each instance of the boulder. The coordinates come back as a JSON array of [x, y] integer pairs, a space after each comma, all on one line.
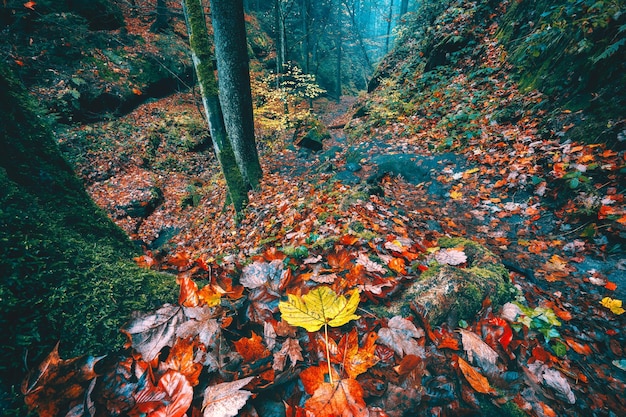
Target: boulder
[[310, 135], [449, 293]]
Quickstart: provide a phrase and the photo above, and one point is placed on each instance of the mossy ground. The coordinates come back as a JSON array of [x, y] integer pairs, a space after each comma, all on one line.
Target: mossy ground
[[67, 270]]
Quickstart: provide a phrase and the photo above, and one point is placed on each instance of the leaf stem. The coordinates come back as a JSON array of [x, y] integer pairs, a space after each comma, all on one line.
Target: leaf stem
[[330, 374]]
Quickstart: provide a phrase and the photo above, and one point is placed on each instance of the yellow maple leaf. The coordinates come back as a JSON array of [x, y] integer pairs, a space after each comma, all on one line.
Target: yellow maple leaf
[[614, 305], [318, 307], [455, 195]]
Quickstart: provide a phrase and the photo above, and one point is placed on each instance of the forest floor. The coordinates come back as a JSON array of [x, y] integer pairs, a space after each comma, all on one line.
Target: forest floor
[[570, 362], [376, 230]]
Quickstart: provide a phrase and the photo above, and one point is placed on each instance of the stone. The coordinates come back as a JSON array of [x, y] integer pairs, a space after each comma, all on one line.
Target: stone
[[446, 293]]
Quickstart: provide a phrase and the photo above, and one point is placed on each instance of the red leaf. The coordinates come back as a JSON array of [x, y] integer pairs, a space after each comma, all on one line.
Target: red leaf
[[30, 5], [611, 286], [252, 348]]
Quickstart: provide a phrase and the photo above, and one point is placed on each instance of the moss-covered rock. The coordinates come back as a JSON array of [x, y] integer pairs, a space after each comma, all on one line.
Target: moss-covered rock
[[449, 293], [67, 272], [311, 135]]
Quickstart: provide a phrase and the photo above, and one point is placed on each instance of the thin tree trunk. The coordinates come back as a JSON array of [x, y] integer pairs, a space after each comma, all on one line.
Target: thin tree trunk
[[338, 42], [306, 27], [387, 39], [203, 64], [161, 22], [404, 7], [233, 75]]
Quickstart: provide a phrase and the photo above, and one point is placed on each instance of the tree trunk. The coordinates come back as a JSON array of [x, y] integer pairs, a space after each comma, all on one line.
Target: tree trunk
[[388, 37], [338, 42], [233, 74], [63, 261], [306, 28], [161, 22], [203, 64], [404, 7]]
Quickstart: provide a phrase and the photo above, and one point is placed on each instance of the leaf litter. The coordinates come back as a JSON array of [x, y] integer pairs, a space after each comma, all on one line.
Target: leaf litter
[[559, 349]]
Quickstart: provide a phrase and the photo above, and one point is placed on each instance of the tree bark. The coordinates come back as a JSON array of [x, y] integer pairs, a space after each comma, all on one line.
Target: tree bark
[[404, 7], [203, 64], [161, 22], [338, 45], [389, 17], [233, 75]]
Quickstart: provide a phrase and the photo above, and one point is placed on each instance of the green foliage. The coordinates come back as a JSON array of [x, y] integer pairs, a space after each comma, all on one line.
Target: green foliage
[[570, 50]]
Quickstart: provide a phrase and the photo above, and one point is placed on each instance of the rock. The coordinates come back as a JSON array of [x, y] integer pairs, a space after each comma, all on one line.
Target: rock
[[316, 132], [353, 167], [414, 168], [347, 177], [141, 207], [447, 293]]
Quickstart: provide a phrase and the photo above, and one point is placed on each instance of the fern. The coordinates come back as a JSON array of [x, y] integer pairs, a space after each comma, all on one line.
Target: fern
[[609, 51]]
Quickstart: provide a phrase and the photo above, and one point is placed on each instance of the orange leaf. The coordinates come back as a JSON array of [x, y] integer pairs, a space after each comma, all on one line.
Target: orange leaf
[[348, 240], [397, 265], [252, 348], [408, 364], [181, 359], [580, 348], [475, 378], [30, 5], [313, 377], [136, 91], [341, 260], [179, 392], [343, 398], [611, 286], [188, 291], [500, 183], [357, 360], [180, 260]]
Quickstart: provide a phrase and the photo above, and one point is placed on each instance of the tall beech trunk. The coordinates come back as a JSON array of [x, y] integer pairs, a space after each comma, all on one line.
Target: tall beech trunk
[[203, 64], [233, 76]]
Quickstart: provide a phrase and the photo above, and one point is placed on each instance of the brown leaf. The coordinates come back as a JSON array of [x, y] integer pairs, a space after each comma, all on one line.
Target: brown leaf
[[251, 348], [291, 348], [400, 335], [149, 333]]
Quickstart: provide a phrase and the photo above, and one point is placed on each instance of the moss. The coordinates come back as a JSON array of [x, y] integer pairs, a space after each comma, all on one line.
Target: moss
[[68, 273], [508, 409], [450, 293]]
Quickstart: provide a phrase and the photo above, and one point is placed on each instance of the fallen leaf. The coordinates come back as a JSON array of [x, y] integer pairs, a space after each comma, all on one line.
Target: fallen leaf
[[251, 348], [225, 399], [291, 349], [475, 379], [370, 265], [343, 398], [475, 347], [451, 257], [400, 335], [149, 333], [318, 307], [614, 305]]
